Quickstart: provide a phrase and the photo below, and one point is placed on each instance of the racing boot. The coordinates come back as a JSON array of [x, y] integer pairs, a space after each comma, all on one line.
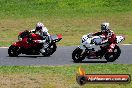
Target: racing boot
[[45, 45]]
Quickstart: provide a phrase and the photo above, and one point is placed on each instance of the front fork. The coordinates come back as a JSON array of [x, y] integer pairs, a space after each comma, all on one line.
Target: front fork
[[83, 48]]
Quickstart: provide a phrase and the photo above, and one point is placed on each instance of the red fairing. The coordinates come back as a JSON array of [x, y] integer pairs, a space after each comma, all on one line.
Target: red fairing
[[35, 36], [22, 43], [59, 36], [16, 44], [25, 43]]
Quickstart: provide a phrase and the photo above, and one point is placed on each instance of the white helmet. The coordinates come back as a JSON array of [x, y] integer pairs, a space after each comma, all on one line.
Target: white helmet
[[39, 26], [104, 27]]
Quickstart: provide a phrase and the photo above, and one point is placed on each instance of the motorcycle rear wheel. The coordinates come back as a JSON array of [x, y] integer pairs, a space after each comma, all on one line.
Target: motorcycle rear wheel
[[13, 51], [111, 57], [76, 55]]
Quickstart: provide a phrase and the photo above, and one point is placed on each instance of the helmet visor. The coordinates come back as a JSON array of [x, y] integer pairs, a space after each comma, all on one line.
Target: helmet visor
[[38, 28], [103, 28]]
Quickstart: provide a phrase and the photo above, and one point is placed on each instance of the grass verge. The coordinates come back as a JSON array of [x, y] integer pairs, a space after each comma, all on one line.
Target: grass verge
[[58, 76]]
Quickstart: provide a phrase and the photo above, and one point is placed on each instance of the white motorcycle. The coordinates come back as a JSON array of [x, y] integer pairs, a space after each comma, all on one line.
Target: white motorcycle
[[88, 41]]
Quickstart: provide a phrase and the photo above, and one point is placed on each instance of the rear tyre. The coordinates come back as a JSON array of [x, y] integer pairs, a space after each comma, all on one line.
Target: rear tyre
[[111, 57], [13, 51], [77, 55], [50, 50]]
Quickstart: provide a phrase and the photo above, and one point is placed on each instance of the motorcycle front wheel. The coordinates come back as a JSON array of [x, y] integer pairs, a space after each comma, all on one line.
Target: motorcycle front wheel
[[111, 57], [13, 51], [77, 55]]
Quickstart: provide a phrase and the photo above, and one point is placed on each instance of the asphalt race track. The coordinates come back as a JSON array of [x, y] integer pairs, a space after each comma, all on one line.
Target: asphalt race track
[[61, 57]]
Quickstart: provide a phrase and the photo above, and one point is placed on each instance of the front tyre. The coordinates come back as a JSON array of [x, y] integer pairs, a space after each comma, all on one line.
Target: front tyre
[[111, 57], [77, 55], [50, 50], [13, 51]]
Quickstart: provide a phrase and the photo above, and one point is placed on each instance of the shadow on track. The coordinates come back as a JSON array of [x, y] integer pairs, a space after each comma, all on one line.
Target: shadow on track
[[28, 56], [92, 62]]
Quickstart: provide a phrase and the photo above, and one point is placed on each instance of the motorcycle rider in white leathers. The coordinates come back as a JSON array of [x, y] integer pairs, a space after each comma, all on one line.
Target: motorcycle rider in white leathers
[[43, 32]]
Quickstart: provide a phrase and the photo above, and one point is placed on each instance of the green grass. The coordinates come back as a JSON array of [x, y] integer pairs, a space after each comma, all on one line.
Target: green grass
[[71, 18], [58, 76], [61, 8]]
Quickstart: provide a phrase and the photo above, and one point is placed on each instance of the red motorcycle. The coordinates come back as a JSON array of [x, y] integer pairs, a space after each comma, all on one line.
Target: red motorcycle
[[29, 44]]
